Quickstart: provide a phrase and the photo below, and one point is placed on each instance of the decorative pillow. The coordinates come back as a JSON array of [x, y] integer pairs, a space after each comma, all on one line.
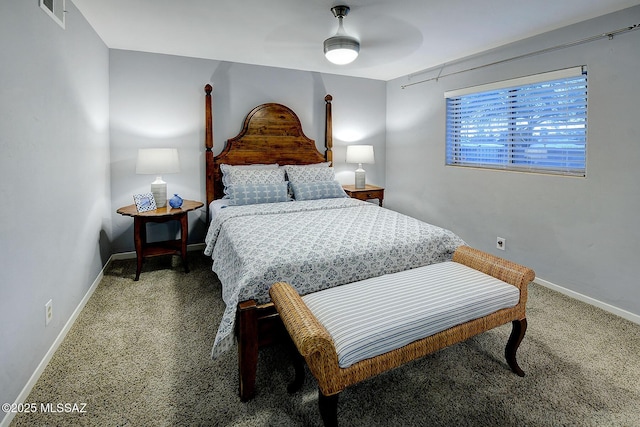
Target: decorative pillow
[[317, 190], [312, 165], [238, 176], [225, 167], [309, 174], [251, 194]]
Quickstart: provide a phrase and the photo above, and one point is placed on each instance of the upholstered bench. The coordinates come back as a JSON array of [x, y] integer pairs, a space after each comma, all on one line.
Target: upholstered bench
[[352, 332]]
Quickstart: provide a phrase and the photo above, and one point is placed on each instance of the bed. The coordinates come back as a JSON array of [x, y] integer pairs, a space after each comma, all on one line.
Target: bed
[[320, 239]]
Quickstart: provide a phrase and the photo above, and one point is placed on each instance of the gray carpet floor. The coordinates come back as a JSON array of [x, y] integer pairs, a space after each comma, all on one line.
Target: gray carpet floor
[[138, 355]]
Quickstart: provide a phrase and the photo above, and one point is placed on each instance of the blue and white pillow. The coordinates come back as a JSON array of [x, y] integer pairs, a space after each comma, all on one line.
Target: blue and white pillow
[[225, 167], [312, 165], [233, 175], [309, 174], [317, 190], [251, 194]]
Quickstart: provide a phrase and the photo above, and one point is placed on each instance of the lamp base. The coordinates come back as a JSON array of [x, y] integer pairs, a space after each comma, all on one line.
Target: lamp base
[[360, 178], [159, 191]]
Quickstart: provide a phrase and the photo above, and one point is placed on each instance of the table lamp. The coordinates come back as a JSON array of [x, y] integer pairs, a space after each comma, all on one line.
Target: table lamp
[[158, 161], [360, 154]]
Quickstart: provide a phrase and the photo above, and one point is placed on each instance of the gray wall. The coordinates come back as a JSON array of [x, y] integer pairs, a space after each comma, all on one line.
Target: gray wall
[[158, 101], [54, 166], [75, 113], [578, 233]]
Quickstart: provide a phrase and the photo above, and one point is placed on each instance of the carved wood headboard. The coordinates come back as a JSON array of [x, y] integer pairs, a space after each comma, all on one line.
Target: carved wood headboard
[[271, 133]]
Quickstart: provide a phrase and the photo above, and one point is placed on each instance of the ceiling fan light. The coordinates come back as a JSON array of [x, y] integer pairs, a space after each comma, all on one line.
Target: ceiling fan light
[[341, 50]]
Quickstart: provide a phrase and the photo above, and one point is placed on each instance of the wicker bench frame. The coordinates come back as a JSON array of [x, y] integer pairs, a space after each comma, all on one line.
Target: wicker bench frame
[[316, 346]]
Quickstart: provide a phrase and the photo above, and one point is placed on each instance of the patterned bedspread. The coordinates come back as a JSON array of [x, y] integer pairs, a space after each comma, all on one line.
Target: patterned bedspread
[[313, 245]]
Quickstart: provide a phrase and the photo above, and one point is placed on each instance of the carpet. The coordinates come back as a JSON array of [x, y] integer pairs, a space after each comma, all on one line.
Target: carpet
[[139, 355]]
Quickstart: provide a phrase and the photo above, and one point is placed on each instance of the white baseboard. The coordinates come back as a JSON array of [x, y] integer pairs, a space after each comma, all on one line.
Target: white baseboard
[[56, 343], [130, 255], [63, 333], [592, 301]]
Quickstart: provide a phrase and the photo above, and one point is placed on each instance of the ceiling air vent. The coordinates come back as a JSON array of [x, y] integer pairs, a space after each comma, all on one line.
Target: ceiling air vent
[[55, 9]]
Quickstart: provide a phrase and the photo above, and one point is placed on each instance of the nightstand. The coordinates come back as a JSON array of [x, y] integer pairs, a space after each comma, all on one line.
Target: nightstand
[[366, 193], [170, 247]]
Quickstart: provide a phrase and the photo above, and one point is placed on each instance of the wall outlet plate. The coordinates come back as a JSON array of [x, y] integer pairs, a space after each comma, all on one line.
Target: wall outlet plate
[[48, 312], [501, 243]]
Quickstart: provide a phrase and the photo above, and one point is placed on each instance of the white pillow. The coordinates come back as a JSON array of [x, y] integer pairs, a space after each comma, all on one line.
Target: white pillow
[[237, 176], [309, 174], [224, 166], [312, 165]]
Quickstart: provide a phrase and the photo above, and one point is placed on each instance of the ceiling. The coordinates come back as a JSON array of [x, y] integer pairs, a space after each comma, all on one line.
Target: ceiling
[[397, 37]]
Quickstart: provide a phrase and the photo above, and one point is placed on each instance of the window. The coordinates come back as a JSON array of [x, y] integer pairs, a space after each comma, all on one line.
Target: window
[[535, 123]]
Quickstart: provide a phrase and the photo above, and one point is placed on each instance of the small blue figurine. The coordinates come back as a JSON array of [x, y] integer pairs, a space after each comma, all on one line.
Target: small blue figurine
[[175, 201]]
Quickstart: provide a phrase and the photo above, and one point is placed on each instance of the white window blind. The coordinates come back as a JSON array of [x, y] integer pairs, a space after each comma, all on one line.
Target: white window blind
[[535, 123]]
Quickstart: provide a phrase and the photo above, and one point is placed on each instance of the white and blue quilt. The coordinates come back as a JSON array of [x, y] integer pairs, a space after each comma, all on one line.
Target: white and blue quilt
[[313, 245]]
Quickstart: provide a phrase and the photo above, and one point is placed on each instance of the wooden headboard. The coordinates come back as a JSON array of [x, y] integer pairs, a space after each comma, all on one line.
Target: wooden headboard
[[271, 133]]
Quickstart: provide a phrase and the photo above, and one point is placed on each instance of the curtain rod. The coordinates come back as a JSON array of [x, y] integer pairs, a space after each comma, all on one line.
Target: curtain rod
[[608, 34]]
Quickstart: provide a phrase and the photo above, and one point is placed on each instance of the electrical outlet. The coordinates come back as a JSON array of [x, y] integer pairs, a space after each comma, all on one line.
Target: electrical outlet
[[48, 312], [501, 243]]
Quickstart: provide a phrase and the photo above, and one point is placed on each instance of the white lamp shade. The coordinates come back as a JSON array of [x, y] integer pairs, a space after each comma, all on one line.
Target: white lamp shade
[[157, 161], [360, 154]]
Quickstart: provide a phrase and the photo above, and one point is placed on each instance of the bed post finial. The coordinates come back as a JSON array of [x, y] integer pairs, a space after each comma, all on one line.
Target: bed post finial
[[208, 146], [328, 130]]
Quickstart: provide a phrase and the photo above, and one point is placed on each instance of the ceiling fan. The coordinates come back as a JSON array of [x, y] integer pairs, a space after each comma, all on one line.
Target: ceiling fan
[[341, 49]]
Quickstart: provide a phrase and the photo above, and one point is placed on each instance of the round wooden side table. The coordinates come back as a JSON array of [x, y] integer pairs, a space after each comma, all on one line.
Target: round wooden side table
[[169, 247]]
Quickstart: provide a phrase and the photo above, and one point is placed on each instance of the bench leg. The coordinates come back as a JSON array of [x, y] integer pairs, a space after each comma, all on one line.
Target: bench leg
[[298, 366], [328, 409], [517, 334]]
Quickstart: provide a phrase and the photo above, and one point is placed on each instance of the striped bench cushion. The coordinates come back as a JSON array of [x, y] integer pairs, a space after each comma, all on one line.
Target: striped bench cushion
[[377, 315]]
